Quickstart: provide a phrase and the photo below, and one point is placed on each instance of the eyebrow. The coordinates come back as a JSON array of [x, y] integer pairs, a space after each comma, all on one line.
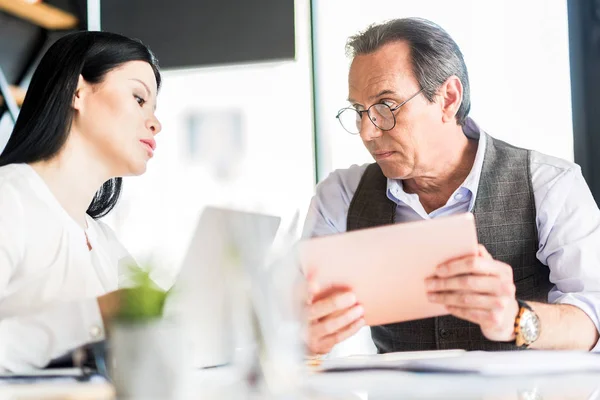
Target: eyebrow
[[146, 87], [382, 93], [143, 83]]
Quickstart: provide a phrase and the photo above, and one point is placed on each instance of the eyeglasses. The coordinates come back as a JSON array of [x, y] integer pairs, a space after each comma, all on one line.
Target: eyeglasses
[[380, 114]]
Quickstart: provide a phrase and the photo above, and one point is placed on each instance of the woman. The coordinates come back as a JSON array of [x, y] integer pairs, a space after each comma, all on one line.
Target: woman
[[88, 119]]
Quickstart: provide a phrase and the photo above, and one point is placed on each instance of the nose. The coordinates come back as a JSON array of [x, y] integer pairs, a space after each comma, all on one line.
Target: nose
[[154, 125], [368, 130]]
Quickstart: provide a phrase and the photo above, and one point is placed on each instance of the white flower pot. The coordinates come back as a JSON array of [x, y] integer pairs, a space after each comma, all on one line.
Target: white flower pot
[[146, 359]]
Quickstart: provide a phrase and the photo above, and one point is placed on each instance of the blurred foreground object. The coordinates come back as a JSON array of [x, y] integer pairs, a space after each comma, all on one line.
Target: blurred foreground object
[[269, 301], [146, 352]]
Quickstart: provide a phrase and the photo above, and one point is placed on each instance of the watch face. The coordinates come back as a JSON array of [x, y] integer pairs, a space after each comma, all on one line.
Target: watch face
[[530, 327]]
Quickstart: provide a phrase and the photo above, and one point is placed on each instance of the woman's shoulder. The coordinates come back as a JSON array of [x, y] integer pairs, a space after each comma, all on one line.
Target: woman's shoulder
[[18, 177], [18, 187], [24, 197], [12, 173], [12, 183], [12, 211]]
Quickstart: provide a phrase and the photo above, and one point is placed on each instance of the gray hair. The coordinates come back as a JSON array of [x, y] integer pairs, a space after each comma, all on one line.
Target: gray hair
[[435, 56]]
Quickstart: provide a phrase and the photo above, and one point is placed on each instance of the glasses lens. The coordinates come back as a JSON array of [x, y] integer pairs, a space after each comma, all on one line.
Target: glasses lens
[[382, 116], [350, 120]]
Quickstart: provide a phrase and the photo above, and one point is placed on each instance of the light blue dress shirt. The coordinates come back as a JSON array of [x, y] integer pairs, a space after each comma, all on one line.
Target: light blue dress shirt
[[568, 219]]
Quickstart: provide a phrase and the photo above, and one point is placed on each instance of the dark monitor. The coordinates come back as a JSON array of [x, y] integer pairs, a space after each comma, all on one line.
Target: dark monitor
[[190, 33]]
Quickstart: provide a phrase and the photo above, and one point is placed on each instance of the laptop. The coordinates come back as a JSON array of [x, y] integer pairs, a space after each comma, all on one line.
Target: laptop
[[224, 244]]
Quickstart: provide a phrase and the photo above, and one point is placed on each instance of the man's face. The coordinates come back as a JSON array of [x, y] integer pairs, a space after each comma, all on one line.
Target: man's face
[[385, 76]]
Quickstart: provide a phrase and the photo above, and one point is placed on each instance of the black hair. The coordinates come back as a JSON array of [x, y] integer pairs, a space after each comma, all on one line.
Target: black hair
[[44, 121]]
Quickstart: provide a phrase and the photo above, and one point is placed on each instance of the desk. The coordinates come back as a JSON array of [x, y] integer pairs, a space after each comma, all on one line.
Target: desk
[[372, 385], [384, 385]]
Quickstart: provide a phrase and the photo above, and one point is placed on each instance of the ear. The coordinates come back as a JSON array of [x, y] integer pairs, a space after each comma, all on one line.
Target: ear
[[451, 93], [80, 93]]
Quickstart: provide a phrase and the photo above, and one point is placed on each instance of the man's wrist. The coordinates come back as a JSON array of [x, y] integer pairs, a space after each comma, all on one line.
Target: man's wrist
[[527, 325], [515, 314]]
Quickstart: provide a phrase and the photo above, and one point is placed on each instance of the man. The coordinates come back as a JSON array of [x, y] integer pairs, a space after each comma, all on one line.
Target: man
[[536, 280]]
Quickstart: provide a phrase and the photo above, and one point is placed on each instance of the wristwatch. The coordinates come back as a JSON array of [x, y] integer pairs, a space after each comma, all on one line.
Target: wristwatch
[[527, 325]]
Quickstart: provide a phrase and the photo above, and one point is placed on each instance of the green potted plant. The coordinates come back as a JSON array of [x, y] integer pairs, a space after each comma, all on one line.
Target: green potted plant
[[144, 302], [145, 347]]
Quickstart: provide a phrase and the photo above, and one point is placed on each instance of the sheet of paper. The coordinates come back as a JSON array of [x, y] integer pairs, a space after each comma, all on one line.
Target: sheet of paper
[[513, 363], [529, 362], [384, 361]]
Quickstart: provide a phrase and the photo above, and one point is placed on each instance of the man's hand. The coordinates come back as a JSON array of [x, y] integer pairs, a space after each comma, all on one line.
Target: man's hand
[[478, 289], [333, 316]]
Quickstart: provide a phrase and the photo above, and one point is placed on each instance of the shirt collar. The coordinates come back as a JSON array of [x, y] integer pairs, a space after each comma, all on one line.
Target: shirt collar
[[471, 129]]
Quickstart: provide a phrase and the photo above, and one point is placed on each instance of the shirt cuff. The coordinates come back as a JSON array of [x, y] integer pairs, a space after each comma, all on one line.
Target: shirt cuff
[[32, 341], [92, 320], [585, 304]]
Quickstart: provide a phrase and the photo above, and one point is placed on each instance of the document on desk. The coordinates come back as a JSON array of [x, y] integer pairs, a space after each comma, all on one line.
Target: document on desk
[[385, 361], [530, 362]]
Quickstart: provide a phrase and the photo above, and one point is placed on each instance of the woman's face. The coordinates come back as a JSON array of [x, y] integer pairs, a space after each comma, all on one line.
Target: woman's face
[[115, 118]]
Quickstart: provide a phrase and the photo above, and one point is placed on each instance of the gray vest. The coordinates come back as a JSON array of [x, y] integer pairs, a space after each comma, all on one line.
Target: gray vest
[[505, 217]]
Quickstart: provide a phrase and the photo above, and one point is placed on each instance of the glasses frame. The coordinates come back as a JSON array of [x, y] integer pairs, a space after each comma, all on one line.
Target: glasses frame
[[360, 113]]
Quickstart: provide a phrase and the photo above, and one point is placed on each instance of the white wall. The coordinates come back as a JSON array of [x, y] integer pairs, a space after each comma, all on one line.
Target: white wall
[[517, 57], [273, 174]]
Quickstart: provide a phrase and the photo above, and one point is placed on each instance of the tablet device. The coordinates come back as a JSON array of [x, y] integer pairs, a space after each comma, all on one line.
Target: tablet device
[[386, 267]]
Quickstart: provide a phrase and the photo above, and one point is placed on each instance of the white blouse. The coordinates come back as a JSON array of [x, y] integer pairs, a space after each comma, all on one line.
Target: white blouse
[[49, 280]]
